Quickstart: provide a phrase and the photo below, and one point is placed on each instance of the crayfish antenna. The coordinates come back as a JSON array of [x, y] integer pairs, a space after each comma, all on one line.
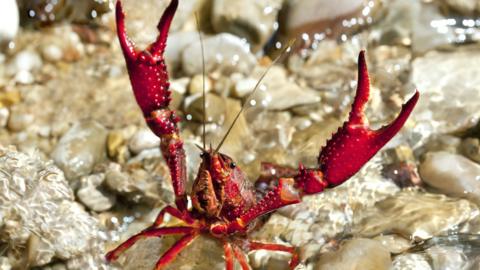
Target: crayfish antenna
[[355, 143], [128, 47], [158, 47]]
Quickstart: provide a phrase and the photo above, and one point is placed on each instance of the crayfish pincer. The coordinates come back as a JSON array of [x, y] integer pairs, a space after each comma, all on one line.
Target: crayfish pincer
[[224, 203]]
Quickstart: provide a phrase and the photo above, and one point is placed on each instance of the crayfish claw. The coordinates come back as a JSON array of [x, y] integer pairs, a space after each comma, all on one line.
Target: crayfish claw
[[158, 47], [363, 92], [128, 47], [354, 144]]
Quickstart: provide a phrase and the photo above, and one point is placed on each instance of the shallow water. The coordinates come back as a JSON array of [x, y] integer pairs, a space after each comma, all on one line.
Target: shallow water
[[85, 173]]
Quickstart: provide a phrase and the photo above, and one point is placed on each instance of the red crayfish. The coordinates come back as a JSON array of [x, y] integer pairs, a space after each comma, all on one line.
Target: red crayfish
[[224, 204]]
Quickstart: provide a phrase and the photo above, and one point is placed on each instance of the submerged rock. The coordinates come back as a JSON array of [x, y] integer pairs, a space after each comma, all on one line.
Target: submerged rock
[[450, 90], [80, 148], [9, 20], [466, 7], [411, 262], [223, 52], [323, 17], [93, 196], [204, 253], [39, 212], [470, 147], [252, 19], [414, 214], [143, 139], [452, 174], [359, 253]]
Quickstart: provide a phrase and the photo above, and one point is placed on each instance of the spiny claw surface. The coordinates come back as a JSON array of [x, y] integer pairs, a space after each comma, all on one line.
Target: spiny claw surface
[[355, 143], [146, 68]]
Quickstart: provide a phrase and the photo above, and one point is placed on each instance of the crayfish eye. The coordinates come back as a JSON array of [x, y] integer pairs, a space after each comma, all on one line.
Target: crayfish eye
[[202, 154], [233, 165]]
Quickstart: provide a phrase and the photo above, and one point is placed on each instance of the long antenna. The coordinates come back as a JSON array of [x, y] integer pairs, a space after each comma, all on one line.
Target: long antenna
[[285, 49], [203, 77]]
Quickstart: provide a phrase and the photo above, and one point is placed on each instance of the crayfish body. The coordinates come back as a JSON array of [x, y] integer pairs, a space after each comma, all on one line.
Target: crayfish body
[[224, 204]]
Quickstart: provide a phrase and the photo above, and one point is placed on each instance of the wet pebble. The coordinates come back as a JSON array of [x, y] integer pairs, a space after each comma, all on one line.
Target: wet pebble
[[27, 60], [9, 20], [52, 53], [223, 52], [326, 17], [278, 86], [4, 115], [136, 185], [215, 108], [435, 74], [5, 264], [251, 19], [196, 84], [143, 139], [411, 262], [19, 121], [415, 214], [193, 256], [447, 258], [452, 174], [177, 42], [465, 7], [470, 147], [359, 253], [92, 195], [80, 148]]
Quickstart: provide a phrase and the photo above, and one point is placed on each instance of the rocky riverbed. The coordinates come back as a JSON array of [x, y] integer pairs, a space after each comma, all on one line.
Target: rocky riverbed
[[80, 171]]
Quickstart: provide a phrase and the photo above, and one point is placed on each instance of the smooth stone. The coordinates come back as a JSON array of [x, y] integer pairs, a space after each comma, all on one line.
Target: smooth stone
[[452, 174], [448, 258], [52, 53], [244, 87], [281, 92], [204, 253], [251, 19], [215, 108], [470, 147], [93, 196], [27, 60], [24, 77], [177, 42], [196, 85], [4, 116], [413, 214], [223, 52], [359, 253], [410, 261], [19, 121], [143, 139], [80, 148], [323, 17], [465, 7], [5, 264], [435, 74], [393, 243], [135, 185], [9, 20], [116, 148]]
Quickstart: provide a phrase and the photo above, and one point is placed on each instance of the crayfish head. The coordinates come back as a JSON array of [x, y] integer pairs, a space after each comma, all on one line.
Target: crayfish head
[[221, 186]]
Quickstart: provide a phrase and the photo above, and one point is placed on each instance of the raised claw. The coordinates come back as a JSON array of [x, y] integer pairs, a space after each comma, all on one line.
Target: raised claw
[[147, 70], [127, 45], [355, 143], [149, 79]]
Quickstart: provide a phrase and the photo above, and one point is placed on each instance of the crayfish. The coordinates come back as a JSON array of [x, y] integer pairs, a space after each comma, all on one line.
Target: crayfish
[[224, 205]]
